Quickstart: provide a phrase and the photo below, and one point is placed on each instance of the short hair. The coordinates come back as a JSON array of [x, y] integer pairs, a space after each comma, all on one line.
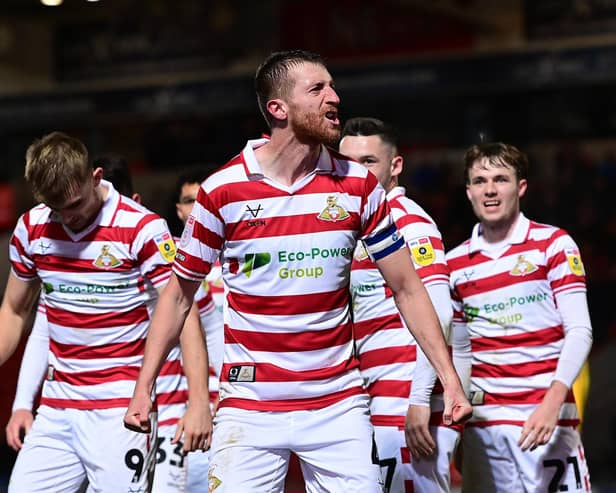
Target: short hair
[[193, 175], [366, 126], [55, 165], [498, 154], [115, 170], [272, 77]]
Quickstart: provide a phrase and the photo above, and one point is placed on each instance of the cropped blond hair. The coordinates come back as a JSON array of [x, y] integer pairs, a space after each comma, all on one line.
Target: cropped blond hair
[[56, 165]]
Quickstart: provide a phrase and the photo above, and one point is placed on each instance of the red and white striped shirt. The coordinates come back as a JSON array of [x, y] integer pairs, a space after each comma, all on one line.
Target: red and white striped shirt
[[212, 324], [100, 290], [217, 287], [507, 302], [286, 258], [385, 347], [214, 329]]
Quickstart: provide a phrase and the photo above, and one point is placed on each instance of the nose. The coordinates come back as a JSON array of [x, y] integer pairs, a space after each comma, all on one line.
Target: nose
[[67, 218], [490, 189], [332, 96]]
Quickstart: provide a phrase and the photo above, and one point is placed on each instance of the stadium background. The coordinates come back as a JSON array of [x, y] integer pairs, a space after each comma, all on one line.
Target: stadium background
[[169, 85]]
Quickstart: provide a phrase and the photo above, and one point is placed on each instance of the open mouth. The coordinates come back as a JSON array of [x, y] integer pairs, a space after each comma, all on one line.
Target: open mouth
[[332, 116], [491, 203]]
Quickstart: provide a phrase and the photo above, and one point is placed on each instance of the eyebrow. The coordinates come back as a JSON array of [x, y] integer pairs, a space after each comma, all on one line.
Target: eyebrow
[[66, 205], [366, 156]]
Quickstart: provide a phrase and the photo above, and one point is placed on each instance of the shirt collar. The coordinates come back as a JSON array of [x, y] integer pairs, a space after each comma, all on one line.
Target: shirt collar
[[324, 163], [518, 235], [396, 192], [110, 204]]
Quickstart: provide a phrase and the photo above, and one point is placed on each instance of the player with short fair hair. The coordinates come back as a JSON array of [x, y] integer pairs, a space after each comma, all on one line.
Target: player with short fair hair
[[172, 389], [101, 258], [386, 349], [35, 361], [284, 217], [519, 289]]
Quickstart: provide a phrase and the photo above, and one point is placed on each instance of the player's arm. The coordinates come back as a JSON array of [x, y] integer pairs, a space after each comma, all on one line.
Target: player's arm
[[416, 308], [167, 321], [196, 424], [34, 364], [418, 416], [19, 298], [540, 425]]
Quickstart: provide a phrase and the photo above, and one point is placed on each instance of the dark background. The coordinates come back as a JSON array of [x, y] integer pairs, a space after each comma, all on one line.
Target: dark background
[[169, 85]]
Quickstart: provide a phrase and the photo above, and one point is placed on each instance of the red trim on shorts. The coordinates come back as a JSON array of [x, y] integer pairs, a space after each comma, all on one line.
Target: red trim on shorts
[[436, 419], [387, 420], [405, 455], [306, 404], [85, 404], [483, 424]]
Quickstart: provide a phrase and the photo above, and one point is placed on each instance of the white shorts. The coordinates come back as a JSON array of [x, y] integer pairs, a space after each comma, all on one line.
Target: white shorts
[[403, 475], [66, 446], [251, 449], [197, 468], [171, 463], [493, 462]]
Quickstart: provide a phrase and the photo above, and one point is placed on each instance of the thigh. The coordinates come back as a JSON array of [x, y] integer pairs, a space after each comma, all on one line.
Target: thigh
[[487, 466], [197, 466], [249, 451], [433, 473], [115, 458], [560, 465], [394, 459], [336, 449], [47, 461], [171, 463], [238, 469]]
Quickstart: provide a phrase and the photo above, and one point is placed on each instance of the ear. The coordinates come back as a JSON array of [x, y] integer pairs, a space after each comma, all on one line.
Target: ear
[[97, 176], [468, 193], [522, 185], [397, 164], [137, 198], [278, 109], [177, 211]]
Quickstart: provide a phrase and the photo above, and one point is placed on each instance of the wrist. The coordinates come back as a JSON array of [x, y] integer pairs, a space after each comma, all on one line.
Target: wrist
[[556, 394]]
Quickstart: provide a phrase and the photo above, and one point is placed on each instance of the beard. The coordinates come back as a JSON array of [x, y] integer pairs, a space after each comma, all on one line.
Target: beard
[[314, 128]]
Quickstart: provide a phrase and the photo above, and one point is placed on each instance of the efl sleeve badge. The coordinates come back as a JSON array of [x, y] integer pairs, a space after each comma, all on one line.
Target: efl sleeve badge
[[422, 251], [575, 261], [166, 246]]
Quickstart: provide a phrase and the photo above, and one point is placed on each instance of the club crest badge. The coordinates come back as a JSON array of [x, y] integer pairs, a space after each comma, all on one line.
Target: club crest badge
[[333, 212], [106, 260], [522, 267], [188, 231], [213, 481]]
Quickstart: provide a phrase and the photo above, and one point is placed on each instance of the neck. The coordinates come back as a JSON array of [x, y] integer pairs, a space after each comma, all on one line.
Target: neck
[[285, 159], [393, 183]]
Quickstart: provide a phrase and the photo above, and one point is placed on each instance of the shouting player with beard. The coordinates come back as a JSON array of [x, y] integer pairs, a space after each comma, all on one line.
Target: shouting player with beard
[[284, 217]]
